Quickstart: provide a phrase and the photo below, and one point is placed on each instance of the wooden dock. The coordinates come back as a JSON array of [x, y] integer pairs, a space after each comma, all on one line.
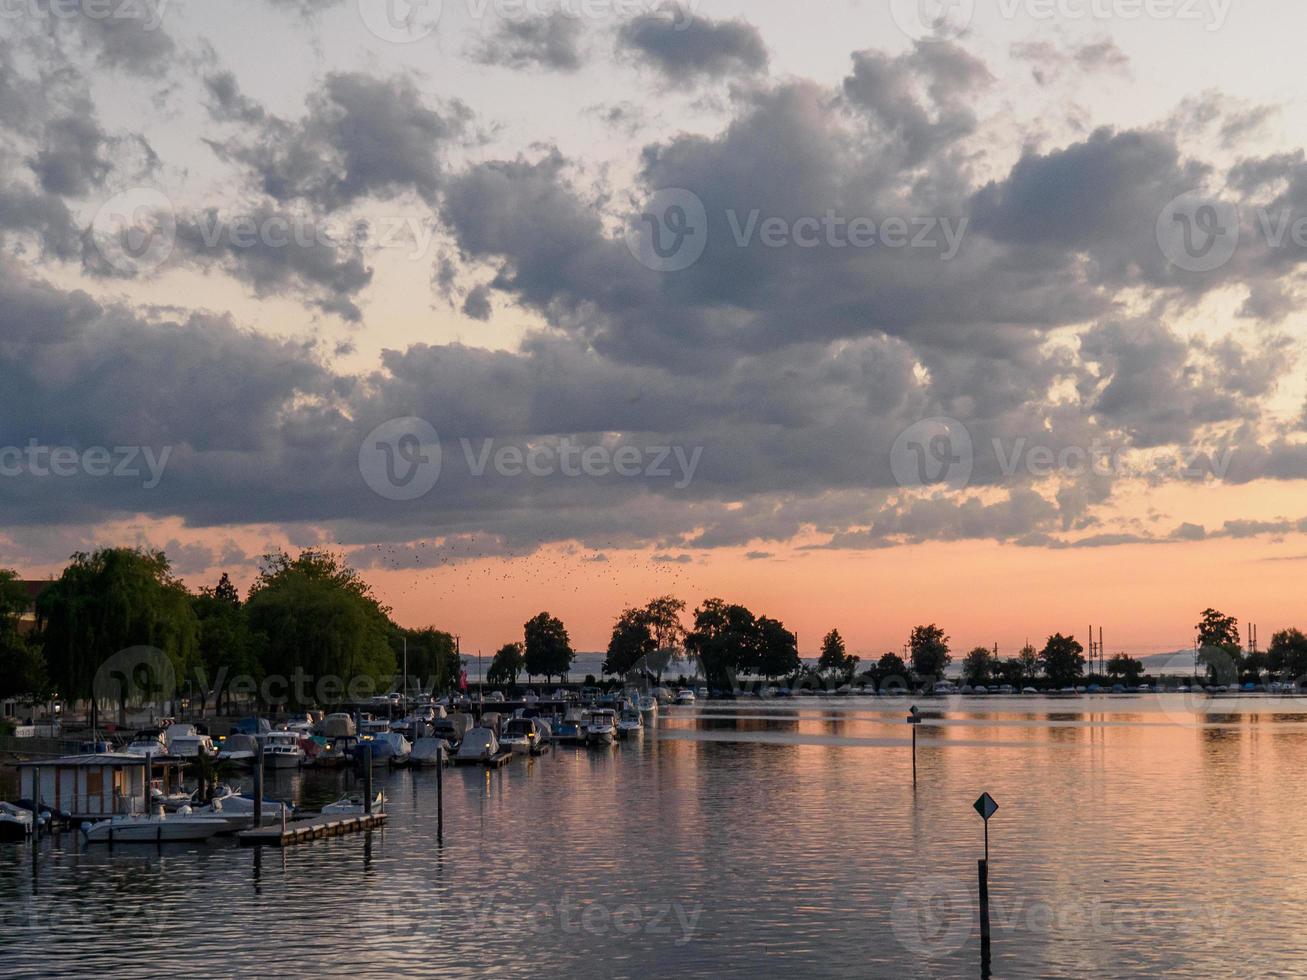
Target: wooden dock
[[494, 762], [313, 828]]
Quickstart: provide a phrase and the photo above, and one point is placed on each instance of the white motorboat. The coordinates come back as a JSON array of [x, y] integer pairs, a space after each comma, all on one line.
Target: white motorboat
[[16, 823], [192, 747], [389, 748], [685, 696], [478, 745], [352, 806], [281, 750], [238, 811], [648, 705], [525, 736], [429, 751], [148, 742], [629, 723], [239, 750], [601, 727], [183, 826]]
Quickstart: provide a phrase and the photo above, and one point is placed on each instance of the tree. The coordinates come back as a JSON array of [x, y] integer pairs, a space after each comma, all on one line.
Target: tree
[[930, 654], [890, 669], [1011, 672], [22, 667], [548, 647], [1287, 655], [506, 665], [778, 649], [320, 620], [664, 617], [632, 641], [105, 603], [1063, 660], [978, 666], [227, 648], [725, 639], [1219, 646], [834, 660], [433, 658], [1126, 669], [1028, 659]]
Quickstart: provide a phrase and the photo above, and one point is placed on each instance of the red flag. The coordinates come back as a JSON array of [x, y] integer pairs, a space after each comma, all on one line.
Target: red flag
[[462, 680]]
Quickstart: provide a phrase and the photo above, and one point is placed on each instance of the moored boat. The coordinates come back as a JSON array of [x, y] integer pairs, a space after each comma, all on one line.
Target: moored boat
[[158, 827], [629, 723], [15, 822], [601, 727]]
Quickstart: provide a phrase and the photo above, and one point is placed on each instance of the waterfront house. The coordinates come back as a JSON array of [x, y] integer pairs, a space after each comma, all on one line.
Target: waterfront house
[[97, 786]]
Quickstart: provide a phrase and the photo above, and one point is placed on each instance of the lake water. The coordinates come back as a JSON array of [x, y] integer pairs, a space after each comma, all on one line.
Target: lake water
[[1145, 835]]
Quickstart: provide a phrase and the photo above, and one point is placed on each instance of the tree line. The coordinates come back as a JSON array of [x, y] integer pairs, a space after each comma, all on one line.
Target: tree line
[[310, 615], [313, 615]]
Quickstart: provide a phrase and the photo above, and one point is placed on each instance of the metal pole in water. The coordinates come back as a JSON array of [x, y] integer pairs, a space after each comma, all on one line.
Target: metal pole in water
[[914, 719], [367, 779], [258, 787], [986, 807], [440, 795]]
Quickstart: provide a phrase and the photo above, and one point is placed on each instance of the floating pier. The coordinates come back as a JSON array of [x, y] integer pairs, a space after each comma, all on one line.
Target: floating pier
[[314, 828], [493, 762]]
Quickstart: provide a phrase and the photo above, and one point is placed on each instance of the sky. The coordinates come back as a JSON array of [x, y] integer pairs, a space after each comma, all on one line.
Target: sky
[[862, 314]]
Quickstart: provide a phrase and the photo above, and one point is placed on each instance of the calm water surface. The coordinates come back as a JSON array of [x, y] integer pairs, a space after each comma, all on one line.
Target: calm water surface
[[1135, 836]]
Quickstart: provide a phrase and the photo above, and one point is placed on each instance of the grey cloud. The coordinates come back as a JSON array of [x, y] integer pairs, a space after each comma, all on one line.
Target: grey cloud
[[303, 255], [687, 52], [549, 41], [361, 137]]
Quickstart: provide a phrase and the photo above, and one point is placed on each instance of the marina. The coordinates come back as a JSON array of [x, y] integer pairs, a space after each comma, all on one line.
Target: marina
[[727, 832]]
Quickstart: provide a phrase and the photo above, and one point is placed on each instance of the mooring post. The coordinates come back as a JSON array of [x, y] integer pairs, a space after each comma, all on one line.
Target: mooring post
[[914, 719], [36, 800], [440, 794], [258, 787], [367, 778]]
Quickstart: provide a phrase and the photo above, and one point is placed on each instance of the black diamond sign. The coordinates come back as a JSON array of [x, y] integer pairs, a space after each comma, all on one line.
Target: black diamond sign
[[986, 806]]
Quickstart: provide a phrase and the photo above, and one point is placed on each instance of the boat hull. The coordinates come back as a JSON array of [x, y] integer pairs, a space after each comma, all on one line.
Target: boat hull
[[154, 830]]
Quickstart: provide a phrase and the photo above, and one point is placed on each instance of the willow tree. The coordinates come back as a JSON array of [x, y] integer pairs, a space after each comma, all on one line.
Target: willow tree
[[321, 621], [104, 606], [22, 668]]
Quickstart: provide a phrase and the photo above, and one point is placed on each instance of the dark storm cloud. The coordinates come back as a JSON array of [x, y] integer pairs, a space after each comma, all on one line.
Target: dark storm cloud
[[684, 52], [791, 371], [361, 137], [274, 251], [549, 41], [70, 161]]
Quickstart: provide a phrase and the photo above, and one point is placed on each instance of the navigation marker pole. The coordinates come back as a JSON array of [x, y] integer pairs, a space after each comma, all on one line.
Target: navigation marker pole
[[986, 807], [914, 719]]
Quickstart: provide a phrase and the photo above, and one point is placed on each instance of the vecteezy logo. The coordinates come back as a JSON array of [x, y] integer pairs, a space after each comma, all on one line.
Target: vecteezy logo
[[933, 20], [400, 459], [400, 21], [670, 232], [933, 918], [135, 231], [1198, 233], [135, 676], [933, 452]]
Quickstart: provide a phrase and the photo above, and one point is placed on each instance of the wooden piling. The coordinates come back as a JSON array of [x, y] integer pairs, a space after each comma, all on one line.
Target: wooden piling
[[367, 779], [440, 795], [983, 871], [258, 787]]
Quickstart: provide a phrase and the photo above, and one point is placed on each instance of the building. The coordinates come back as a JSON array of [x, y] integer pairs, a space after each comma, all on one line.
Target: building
[[97, 786]]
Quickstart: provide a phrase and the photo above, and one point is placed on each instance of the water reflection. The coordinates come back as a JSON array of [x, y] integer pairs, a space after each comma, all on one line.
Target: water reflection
[[737, 840]]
